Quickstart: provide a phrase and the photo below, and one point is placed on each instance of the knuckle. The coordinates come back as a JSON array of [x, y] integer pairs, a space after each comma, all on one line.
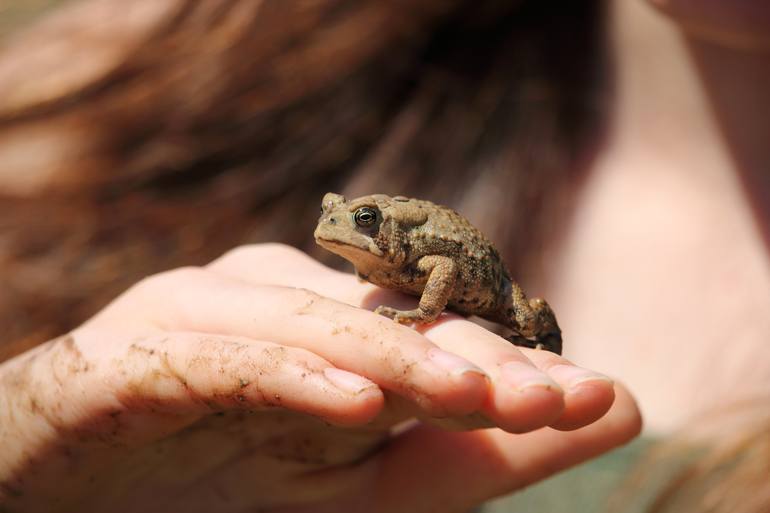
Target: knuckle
[[277, 249], [276, 360], [251, 253], [304, 295], [172, 277], [235, 256], [547, 359]]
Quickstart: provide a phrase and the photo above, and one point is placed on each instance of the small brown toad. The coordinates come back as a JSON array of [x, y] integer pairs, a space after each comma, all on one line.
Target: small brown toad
[[431, 251]]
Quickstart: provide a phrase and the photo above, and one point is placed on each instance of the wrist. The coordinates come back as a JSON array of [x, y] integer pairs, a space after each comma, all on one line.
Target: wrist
[[33, 451]]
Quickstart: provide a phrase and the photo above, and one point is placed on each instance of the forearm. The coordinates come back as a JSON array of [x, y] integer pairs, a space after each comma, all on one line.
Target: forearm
[[39, 462], [20, 418]]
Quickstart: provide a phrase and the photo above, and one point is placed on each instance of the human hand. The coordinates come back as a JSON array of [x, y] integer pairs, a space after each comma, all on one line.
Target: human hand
[[201, 389]]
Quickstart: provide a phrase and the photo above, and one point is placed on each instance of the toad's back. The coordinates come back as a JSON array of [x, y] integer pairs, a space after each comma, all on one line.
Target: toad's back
[[482, 282], [431, 251]]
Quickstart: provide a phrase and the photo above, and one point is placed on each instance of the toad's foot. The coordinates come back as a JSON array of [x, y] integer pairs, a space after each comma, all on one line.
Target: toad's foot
[[545, 328], [405, 316], [533, 322], [551, 342]]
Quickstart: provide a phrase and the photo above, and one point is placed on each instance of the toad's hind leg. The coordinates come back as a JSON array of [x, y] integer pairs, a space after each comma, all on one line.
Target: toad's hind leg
[[442, 273], [533, 321]]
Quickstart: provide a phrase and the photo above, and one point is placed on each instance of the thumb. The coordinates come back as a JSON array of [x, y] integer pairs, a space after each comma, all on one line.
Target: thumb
[[442, 471]]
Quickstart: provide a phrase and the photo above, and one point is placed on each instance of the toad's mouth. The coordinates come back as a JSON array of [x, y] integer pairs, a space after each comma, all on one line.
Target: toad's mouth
[[354, 249]]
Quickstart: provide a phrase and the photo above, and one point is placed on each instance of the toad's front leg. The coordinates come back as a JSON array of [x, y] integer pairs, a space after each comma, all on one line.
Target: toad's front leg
[[442, 273]]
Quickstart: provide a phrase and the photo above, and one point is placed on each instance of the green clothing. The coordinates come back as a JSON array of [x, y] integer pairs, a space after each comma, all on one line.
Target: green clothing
[[15, 14], [582, 489]]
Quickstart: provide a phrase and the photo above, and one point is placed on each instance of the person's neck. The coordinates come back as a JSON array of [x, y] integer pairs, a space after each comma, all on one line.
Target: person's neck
[[698, 103], [737, 85], [663, 275]]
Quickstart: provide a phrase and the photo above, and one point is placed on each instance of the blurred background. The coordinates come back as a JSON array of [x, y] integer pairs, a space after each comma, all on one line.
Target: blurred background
[[137, 137], [141, 136], [14, 14]]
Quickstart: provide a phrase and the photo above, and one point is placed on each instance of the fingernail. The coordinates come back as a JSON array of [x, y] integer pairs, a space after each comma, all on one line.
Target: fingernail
[[347, 381], [452, 363], [575, 376], [523, 376]]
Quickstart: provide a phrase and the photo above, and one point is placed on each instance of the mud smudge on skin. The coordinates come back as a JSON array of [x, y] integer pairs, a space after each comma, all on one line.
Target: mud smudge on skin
[[307, 307]]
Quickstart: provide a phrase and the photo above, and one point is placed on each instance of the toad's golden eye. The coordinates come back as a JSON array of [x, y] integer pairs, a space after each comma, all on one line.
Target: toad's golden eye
[[365, 217]]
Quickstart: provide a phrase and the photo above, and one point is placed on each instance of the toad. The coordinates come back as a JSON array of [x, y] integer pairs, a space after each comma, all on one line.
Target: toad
[[430, 251]]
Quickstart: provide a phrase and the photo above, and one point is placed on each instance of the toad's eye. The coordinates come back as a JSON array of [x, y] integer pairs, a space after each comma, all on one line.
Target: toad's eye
[[365, 217]]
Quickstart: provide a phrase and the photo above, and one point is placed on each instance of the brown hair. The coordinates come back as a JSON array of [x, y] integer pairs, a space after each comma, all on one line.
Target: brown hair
[[184, 128], [720, 464], [136, 137]]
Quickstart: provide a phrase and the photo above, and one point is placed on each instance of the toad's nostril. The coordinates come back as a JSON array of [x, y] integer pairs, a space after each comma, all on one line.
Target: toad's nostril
[[332, 220]]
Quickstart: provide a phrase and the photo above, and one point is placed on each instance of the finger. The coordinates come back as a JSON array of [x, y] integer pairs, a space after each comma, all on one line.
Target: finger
[[198, 373], [453, 472], [526, 394], [522, 398], [395, 357], [531, 388], [274, 264], [588, 395], [547, 390], [286, 266]]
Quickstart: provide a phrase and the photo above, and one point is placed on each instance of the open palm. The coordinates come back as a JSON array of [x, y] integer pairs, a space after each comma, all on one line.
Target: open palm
[[260, 382]]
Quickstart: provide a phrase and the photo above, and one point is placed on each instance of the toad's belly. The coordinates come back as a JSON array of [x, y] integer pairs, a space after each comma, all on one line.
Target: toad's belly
[[481, 296], [409, 281], [485, 302]]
